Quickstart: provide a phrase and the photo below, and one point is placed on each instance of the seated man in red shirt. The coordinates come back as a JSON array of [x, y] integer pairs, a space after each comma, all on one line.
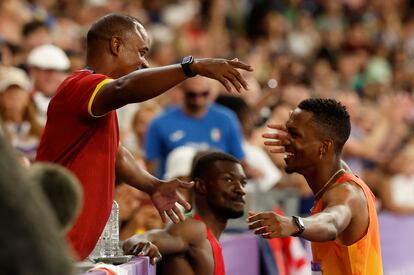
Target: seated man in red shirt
[[191, 247], [82, 132]]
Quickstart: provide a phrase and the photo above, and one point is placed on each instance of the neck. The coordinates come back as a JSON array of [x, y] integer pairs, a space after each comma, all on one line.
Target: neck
[[195, 113], [323, 176], [212, 220], [100, 67]]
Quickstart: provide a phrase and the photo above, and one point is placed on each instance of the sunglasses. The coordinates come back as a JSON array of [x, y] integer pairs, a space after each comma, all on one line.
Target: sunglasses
[[192, 94]]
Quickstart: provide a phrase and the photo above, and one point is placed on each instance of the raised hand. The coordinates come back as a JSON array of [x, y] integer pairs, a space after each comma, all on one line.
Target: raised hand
[[133, 246], [276, 141], [165, 198], [223, 70]]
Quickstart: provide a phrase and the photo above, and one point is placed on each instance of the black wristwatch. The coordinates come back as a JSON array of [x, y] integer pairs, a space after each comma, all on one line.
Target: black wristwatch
[[300, 224], [185, 64]]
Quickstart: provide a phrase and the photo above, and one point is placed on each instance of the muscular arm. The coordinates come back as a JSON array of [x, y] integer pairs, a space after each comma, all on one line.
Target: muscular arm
[[137, 86], [342, 204], [166, 243], [129, 171], [145, 84], [334, 218], [175, 239]]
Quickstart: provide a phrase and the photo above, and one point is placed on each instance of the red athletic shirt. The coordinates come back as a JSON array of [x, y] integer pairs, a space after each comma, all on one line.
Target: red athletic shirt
[[87, 146], [216, 247]]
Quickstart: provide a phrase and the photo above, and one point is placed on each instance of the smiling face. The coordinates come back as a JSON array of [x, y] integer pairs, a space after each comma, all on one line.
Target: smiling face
[[305, 142], [225, 189], [134, 45]]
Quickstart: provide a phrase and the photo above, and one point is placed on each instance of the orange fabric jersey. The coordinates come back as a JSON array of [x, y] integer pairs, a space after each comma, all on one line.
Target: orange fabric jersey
[[360, 258]]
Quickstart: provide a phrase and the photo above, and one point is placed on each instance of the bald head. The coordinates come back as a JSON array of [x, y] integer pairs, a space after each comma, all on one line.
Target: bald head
[[114, 24], [117, 45]]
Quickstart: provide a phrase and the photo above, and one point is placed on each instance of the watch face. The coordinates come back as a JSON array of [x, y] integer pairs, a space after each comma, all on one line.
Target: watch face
[[300, 221], [300, 224], [188, 59]]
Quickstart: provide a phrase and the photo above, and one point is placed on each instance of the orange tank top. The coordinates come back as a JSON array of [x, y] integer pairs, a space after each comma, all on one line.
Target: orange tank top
[[361, 258]]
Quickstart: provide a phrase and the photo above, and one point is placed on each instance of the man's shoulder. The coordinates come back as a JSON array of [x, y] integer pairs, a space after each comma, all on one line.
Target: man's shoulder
[[80, 80], [170, 113], [190, 229], [86, 77]]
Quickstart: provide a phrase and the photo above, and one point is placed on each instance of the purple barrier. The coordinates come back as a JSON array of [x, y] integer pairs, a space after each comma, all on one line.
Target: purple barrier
[[137, 266], [397, 242], [241, 254]]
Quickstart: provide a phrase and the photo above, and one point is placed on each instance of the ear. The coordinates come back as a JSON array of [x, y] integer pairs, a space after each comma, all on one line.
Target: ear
[[200, 186], [327, 145], [115, 45]]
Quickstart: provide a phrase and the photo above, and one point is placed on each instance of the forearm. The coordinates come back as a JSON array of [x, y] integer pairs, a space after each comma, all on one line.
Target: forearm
[[324, 226], [130, 172], [166, 243], [145, 84]]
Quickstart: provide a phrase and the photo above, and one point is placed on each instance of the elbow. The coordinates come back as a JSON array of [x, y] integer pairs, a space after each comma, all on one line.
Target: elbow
[[332, 231], [331, 235]]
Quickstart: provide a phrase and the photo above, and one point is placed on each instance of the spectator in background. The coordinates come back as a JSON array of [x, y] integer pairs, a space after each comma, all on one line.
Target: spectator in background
[[129, 200], [18, 115], [197, 122], [192, 247], [143, 219], [117, 74], [343, 227], [35, 34], [178, 165], [48, 66], [134, 139], [396, 188], [255, 156]]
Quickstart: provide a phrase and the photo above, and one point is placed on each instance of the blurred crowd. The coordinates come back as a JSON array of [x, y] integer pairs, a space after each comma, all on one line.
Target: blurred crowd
[[360, 52]]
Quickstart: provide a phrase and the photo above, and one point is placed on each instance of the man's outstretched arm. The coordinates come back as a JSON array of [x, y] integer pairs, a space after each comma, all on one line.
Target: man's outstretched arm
[[145, 84], [341, 205]]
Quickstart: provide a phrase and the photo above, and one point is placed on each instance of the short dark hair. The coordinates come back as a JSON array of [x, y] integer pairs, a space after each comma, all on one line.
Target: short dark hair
[[331, 118], [205, 160], [113, 24], [235, 103], [33, 26]]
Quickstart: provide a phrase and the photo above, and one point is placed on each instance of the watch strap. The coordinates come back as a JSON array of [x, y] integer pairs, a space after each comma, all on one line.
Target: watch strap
[[185, 65], [300, 224]]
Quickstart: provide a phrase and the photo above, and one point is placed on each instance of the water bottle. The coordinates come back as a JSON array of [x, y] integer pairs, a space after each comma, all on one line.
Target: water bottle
[[96, 252], [108, 243], [105, 239], [114, 224]]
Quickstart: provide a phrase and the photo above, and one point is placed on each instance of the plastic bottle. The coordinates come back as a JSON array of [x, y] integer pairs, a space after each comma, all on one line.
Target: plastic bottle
[[115, 229], [108, 243]]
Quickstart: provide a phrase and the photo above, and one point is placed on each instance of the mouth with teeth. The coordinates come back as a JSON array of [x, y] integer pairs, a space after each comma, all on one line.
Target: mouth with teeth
[[289, 155]]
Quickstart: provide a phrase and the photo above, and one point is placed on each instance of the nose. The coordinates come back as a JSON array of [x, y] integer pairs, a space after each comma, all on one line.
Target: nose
[[144, 64], [239, 189]]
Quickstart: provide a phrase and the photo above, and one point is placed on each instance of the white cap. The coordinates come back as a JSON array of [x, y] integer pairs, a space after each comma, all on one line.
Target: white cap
[[179, 162], [12, 76], [48, 57]]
